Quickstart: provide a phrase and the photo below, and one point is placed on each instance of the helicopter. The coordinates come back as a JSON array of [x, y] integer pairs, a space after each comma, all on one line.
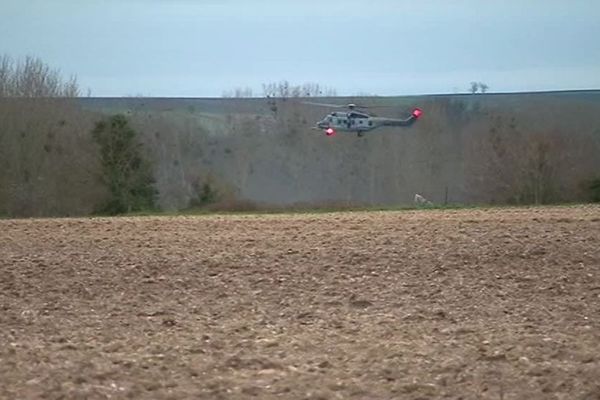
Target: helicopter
[[356, 120]]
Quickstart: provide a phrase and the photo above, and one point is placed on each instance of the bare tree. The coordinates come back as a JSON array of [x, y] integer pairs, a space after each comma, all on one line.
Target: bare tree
[[45, 157], [330, 92], [480, 87], [365, 94], [31, 77], [285, 90], [269, 89], [512, 166], [6, 68], [238, 92], [474, 87], [312, 89]]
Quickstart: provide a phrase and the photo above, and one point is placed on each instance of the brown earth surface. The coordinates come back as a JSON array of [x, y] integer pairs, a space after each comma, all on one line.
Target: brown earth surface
[[465, 304]]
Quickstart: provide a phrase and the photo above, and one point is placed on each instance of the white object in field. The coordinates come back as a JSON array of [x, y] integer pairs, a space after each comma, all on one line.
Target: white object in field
[[422, 201]]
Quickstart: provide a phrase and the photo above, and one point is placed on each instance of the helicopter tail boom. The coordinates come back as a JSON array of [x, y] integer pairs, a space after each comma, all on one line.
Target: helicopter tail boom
[[414, 116]]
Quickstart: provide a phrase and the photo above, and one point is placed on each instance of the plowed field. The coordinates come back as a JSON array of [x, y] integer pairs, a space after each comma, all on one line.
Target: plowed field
[[471, 304]]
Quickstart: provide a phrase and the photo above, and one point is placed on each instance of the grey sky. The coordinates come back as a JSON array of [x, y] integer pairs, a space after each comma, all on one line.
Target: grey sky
[[385, 47]]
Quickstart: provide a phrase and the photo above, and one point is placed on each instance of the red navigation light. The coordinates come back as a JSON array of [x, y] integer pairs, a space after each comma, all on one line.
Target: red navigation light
[[330, 132], [417, 112]]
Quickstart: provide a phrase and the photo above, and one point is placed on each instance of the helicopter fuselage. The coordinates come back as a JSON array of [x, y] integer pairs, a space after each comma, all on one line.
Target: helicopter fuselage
[[354, 121]]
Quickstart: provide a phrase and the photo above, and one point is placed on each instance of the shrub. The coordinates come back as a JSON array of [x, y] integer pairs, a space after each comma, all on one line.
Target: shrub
[[594, 189], [206, 194], [125, 171]]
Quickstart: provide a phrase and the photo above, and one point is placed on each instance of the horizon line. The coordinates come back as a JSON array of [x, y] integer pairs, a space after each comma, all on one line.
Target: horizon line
[[554, 91]]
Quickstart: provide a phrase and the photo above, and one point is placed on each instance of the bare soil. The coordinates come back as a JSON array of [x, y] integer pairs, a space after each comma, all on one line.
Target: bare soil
[[466, 304]]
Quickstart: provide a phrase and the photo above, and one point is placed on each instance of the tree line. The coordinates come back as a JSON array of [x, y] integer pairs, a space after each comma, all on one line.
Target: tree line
[[54, 142], [284, 89], [36, 106]]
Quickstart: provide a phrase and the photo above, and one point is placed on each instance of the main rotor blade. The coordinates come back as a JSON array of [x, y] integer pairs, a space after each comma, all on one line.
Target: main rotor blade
[[350, 106], [326, 104]]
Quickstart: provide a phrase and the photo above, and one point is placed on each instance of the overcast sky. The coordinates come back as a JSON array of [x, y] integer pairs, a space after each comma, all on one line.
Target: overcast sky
[[385, 47]]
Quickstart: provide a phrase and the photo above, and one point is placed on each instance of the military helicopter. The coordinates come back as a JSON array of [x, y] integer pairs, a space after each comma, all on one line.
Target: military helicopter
[[358, 121]]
